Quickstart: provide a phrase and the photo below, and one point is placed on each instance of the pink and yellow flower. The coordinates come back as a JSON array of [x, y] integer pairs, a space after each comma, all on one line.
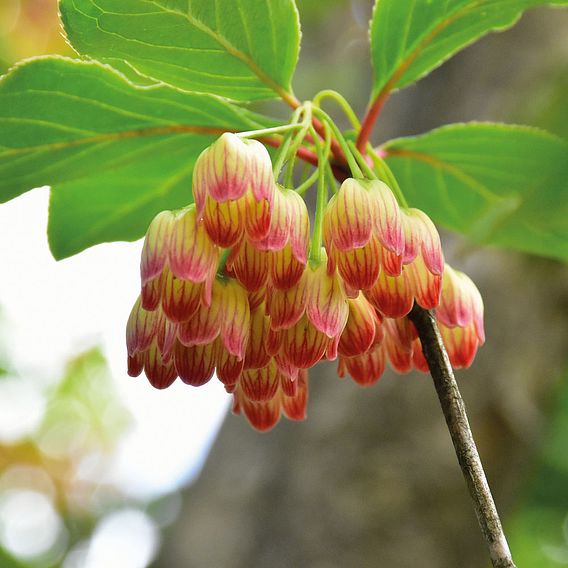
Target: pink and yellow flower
[[233, 189], [419, 276], [361, 221], [259, 314]]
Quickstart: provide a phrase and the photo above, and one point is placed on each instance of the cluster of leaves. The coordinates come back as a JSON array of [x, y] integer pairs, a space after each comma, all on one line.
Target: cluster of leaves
[[116, 132]]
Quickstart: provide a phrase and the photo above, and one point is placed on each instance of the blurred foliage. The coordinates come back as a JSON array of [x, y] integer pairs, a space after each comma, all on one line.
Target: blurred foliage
[[539, 533], [86, 403], [64, 458], [547, 106], [28, 28]]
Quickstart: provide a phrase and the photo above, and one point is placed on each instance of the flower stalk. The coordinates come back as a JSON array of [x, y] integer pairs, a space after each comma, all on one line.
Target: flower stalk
[[458, 425]]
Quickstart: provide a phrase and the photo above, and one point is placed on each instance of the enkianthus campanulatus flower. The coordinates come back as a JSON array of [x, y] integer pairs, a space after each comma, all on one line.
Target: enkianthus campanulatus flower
[[230, 289]]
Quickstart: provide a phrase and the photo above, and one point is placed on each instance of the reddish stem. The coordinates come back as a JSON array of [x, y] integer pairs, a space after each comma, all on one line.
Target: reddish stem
[[370, 120], [340, 171]]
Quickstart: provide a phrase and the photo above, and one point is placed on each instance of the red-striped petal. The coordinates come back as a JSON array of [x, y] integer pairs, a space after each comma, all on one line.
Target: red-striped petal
[[392, 296], [195, 365], [326, 305], [156, 246], [180, 298], [366, 369], [359, 333], [192, 254], [250, 266], [235, 323], [286, 307], [261, 384], [295, 407]]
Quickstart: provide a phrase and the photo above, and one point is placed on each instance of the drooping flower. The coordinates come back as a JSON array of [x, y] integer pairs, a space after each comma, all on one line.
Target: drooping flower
[[460, 317], [361, 221], [265, 414], [233, 188], [178, 264], [309, 318], [288, 262], [420, 272], [259, 314]]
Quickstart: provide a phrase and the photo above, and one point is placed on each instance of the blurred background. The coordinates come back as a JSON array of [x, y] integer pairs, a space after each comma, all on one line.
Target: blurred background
[[99, 470]]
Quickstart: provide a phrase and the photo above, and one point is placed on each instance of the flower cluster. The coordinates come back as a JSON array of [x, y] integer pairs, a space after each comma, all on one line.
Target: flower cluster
[[228, 287]]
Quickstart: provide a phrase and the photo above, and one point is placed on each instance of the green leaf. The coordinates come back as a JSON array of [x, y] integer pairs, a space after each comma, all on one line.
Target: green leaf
[[410, 38], [244, 49], [497, 184], [115, 154]]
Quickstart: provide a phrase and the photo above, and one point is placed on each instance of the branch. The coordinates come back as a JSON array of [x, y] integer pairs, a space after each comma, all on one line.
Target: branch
[[371, 118], [341, 172], [456, 418]]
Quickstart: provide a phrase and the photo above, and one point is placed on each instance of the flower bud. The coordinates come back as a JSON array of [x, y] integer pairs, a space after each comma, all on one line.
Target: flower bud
[[233, 188], [326, 302], [365, 369], [362, 226], [262, 384], [359, 333], [195, 365]]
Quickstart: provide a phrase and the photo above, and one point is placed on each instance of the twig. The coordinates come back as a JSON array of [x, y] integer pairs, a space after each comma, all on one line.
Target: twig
[[456, 418]]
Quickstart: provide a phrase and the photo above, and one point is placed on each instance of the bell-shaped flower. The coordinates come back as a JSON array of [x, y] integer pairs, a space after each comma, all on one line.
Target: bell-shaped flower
[[256, 355], [178, 264], [263, 415], [360, 221], [233, 188], [249, 265], [423, 257], [362, 326], [287, 306], [149, 347], [365, 369], [414, 276], [398, 343], [460, 317], [195, 365], [288, 262]]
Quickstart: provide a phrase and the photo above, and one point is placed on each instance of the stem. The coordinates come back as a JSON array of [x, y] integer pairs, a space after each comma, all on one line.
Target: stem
[[323, 156], [388, 177], [456, 418], [371, 118], [332, 176], [297, 142], [353, 166], [367, 170], [223, 262], [342, 102], [284, 147], [301, 189], [267, 131]]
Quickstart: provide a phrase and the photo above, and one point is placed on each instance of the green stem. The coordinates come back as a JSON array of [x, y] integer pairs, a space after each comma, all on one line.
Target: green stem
[[330, 177], [386, 175], [367, 170], [283, 151], [300, 190], [297, 142], [267, 131], [342, 102], [322, 196], [353, 166]]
